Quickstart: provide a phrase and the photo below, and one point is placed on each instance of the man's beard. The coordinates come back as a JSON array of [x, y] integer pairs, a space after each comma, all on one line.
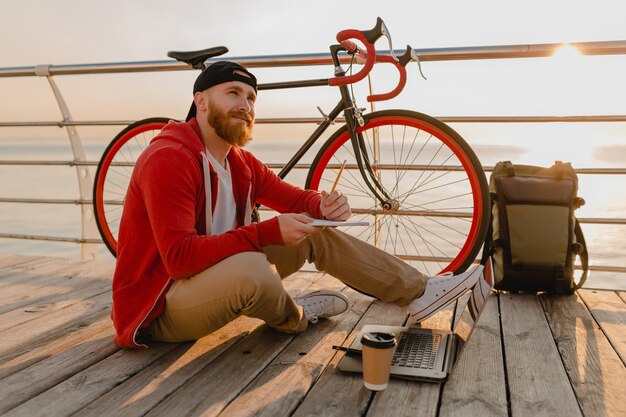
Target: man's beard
[[236, 134]]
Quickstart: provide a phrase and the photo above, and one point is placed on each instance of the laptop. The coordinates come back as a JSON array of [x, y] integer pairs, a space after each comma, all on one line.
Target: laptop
[[429, 354]]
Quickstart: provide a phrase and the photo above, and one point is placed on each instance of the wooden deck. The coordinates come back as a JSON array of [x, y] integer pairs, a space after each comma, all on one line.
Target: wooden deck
[[530, 356]]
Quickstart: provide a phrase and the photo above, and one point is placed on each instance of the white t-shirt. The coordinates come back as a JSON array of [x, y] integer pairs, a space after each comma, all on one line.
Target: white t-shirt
[[225, 212]]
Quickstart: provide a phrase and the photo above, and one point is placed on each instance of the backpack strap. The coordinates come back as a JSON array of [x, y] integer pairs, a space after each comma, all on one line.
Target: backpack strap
[[489, 244], [584, 255]]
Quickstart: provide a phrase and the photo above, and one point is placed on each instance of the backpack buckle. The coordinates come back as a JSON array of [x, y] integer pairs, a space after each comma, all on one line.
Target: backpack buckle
[[578, 202], [577, 248]]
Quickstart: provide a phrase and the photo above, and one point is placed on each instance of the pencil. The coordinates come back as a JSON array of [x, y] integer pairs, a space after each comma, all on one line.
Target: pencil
[[349, 351], [338, 176], [337, 180]]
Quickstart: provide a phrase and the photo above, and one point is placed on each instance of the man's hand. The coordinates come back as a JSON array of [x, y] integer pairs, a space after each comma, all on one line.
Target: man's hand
[[335, 206], [294, 228]]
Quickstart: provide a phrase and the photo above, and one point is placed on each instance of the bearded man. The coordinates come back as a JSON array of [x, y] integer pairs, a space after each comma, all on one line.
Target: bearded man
[[189, 258]]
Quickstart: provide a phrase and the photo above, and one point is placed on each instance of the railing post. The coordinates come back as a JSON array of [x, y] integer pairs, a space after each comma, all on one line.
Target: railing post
[[89, 230]]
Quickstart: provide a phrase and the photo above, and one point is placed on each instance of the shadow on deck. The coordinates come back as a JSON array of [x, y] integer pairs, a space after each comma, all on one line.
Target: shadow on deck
[[529, 356]]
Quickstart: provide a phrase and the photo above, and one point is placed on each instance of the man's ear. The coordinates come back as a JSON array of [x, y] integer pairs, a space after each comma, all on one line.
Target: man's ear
[[201, 101]]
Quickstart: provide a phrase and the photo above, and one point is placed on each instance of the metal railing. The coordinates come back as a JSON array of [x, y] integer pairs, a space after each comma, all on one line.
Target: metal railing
[[89, 232]]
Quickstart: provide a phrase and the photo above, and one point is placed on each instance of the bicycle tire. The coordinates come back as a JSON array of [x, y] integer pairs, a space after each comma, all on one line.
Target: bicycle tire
[[113, 175], [420, 160]]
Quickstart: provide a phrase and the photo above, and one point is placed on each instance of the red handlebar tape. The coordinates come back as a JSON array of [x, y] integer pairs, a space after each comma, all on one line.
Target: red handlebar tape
[[370, 55], [401, 82], [369, 64]]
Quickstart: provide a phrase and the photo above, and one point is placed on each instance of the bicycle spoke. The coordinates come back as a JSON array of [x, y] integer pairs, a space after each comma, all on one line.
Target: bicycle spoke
[[398, 173], [358, 235], [356, 187], [434, 234], [443, 209], [355, 181], [393, 149], [121, 187], [370, 144], [119, 173], [462, 233], [426, 243], [123, 156], [145, 141], [430, 246], [418, 181], [419, 153], [433, 188], [440, 165], [408, 154], [417, 251], [448, 198]]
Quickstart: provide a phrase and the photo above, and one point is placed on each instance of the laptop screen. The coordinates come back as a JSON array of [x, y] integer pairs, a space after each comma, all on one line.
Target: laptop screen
[[468, 308]]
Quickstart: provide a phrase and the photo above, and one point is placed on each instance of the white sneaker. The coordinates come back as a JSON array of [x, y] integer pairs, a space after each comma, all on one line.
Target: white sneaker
[[441, 290], [322, 303]]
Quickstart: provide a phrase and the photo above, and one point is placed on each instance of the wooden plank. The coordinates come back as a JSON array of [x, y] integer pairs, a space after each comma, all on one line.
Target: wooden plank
[[280, 388], [410, 398], [477, 384], [74, 393], [609, 310], [538, 384], [21, 386], [215, 386], [51, 304], [211, 390], [53, 279], [7, 261], [42, 351], [595, 370], [11, 275], [17, 340], [148, 388], [622, 295]]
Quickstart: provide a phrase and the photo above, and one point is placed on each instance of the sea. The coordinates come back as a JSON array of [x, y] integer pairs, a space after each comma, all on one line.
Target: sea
[[605, 194]]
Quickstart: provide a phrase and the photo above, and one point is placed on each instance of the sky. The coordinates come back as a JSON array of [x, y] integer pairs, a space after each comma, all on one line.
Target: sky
[[70, 32]]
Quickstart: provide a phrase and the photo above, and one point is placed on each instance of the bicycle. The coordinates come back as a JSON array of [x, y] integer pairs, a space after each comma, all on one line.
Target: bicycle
[[413, 177]]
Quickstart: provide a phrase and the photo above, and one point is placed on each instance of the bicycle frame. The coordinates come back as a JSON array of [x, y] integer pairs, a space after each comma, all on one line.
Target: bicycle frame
[[368, 150], [347, 105]]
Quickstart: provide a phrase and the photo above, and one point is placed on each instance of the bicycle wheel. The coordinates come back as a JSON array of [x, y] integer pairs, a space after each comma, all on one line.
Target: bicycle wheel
[[431, 172], [113, 175]]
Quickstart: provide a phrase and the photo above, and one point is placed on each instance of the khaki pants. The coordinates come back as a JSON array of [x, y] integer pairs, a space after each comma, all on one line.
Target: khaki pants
[[249, 284]]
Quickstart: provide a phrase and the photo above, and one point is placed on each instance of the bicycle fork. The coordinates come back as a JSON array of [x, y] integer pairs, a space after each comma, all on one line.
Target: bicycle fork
[[354, 120]]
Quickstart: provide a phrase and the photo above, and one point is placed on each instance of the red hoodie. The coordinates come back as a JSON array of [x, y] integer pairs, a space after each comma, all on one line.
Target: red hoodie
[[162, 230]]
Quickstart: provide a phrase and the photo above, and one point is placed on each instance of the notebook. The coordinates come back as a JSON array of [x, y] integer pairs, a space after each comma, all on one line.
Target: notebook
[[429, 354]]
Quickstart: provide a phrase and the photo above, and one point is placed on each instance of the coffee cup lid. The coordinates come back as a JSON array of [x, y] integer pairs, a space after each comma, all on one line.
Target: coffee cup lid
[[380, 340]]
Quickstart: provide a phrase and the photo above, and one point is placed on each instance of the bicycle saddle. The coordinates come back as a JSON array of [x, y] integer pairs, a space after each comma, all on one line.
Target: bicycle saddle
[[196, 58]]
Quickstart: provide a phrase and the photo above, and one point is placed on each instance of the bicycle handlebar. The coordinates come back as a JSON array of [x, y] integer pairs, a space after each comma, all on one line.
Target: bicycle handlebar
[[343, 36], [401, 82], [368, 57]]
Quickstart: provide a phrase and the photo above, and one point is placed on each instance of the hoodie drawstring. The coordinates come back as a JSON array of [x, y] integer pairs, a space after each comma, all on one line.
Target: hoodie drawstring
[[208, 211]]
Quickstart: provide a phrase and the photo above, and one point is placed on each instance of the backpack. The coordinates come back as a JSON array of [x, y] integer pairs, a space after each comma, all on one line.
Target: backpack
[[534, 236]]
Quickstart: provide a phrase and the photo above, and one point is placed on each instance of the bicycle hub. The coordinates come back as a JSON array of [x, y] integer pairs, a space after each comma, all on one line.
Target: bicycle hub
[[391, 205]]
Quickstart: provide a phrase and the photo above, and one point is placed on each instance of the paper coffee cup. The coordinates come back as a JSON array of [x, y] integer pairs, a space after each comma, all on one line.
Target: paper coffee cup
[[378, 348]]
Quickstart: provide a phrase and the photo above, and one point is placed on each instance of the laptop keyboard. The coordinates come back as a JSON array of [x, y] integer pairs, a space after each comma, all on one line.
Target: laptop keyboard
[[416, 350]]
